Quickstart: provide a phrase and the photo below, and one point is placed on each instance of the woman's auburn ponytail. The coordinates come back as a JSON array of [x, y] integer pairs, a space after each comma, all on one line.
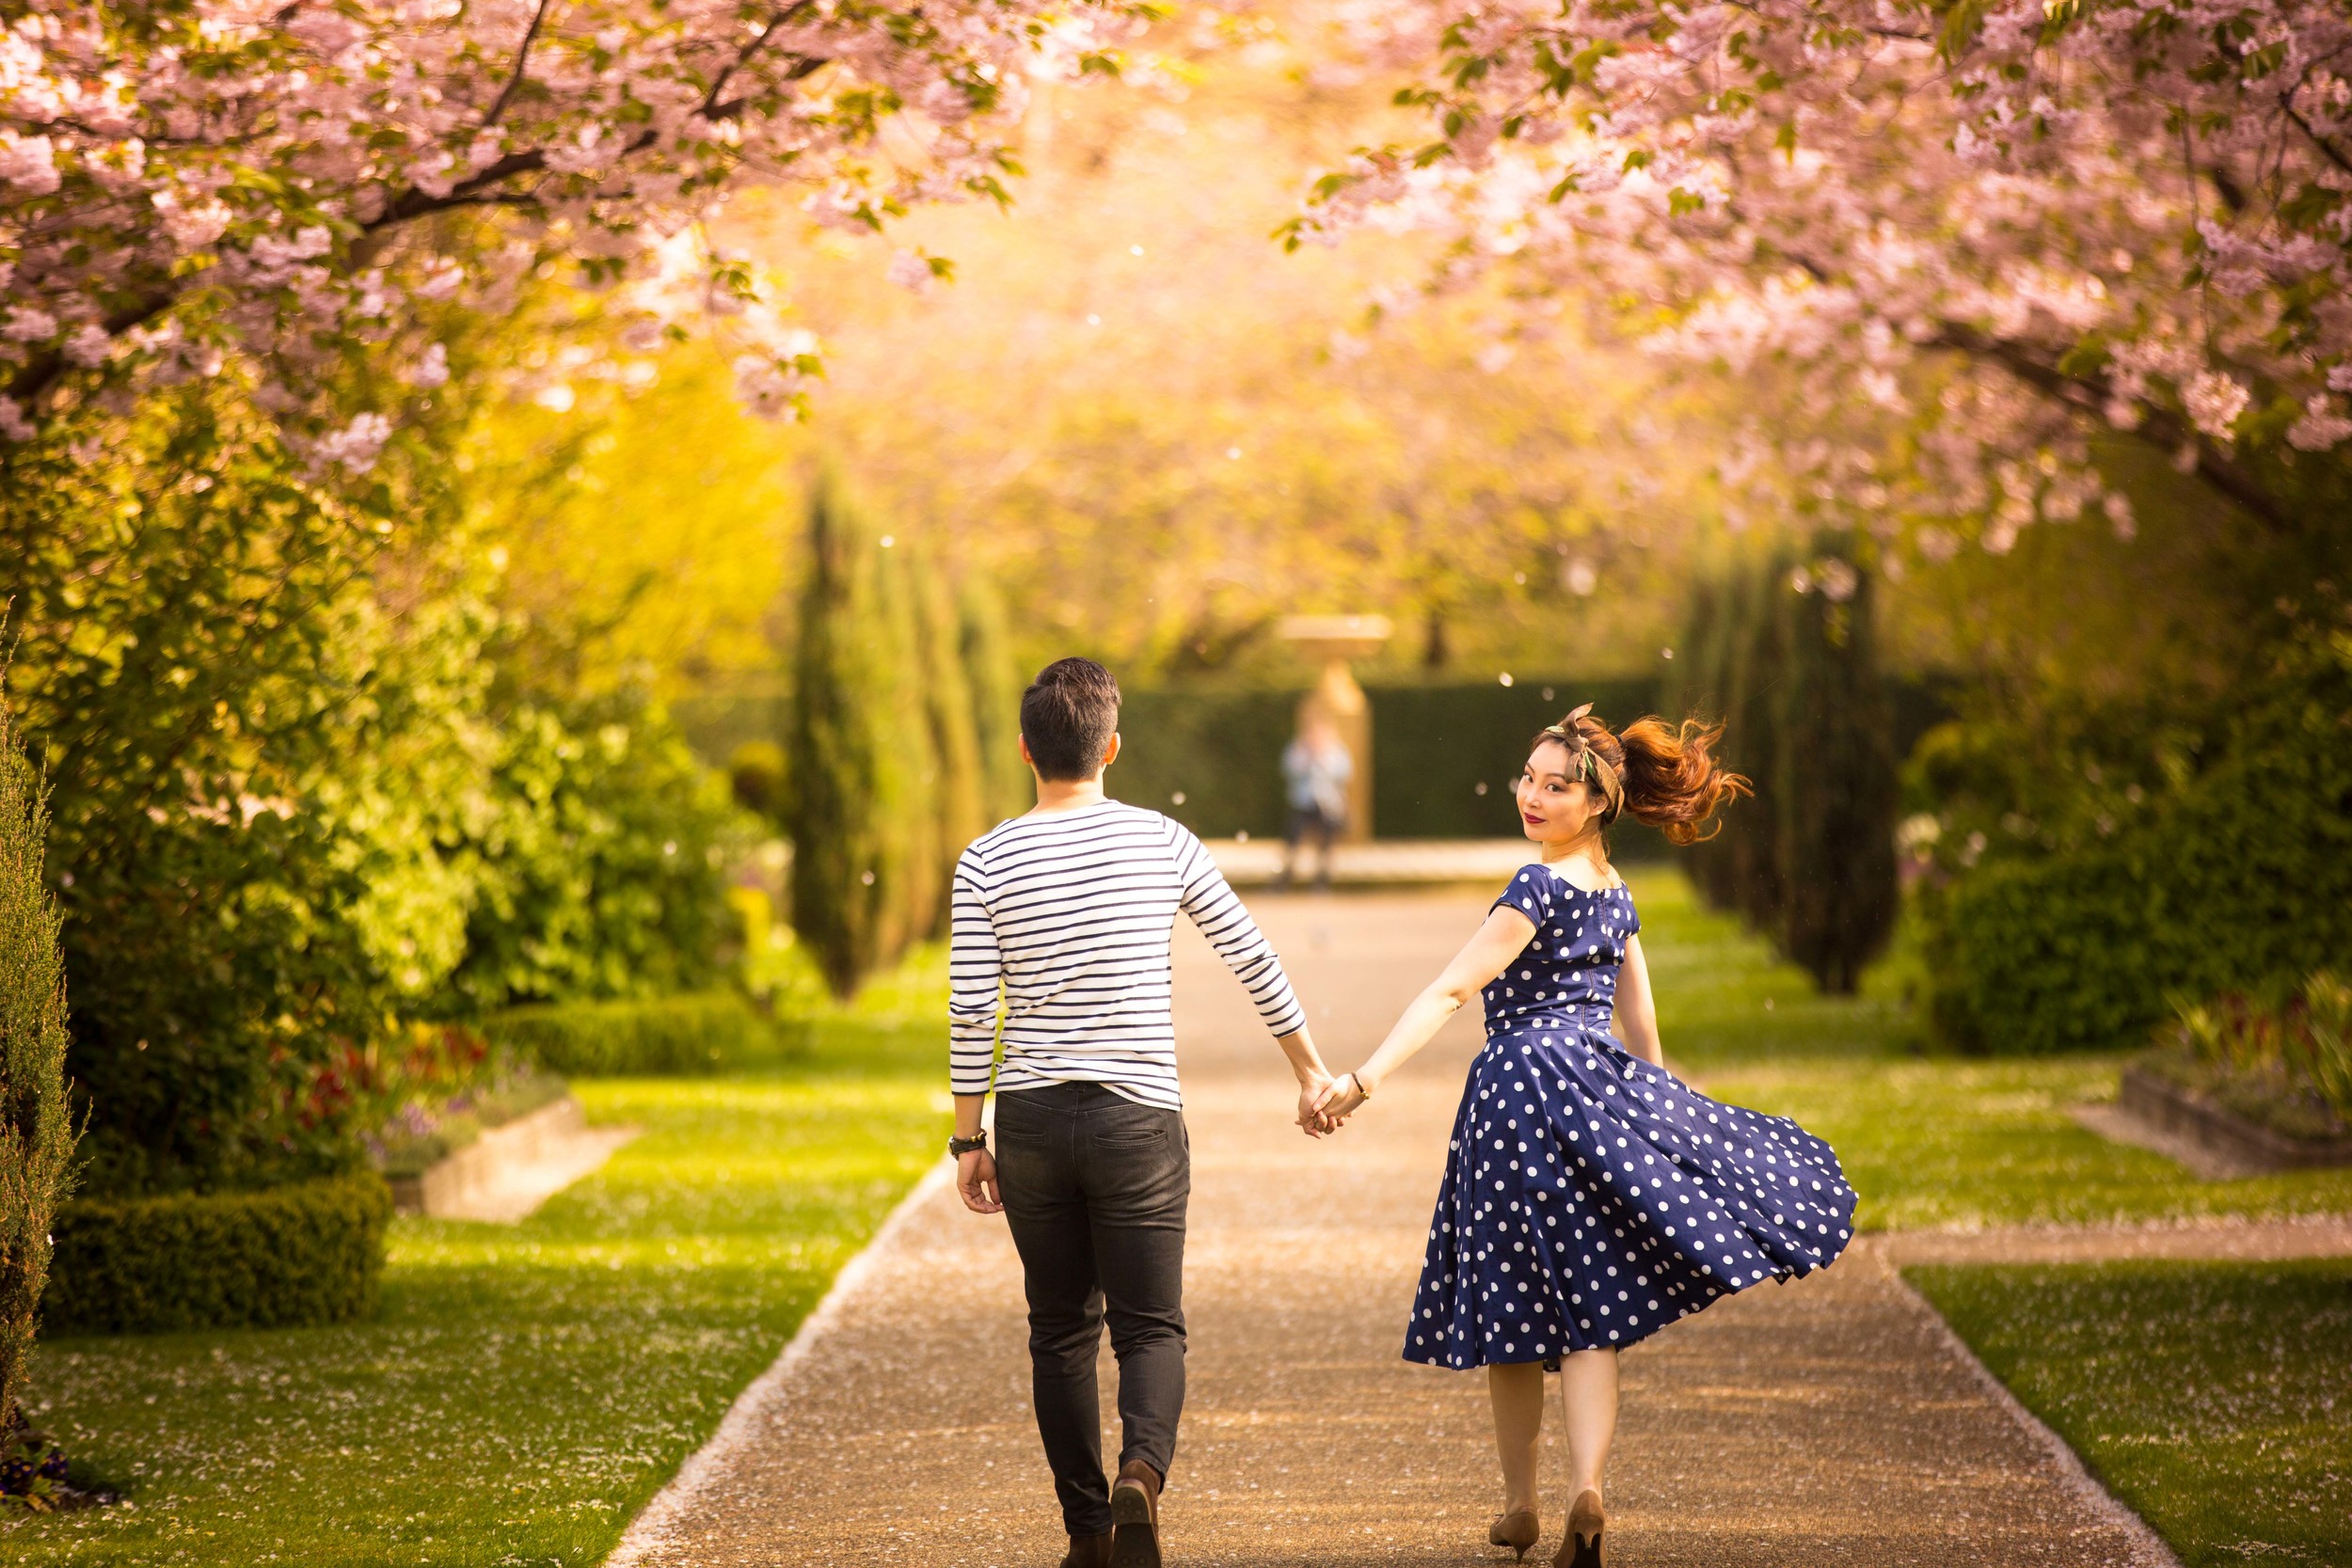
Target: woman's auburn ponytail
[[1672, 778]]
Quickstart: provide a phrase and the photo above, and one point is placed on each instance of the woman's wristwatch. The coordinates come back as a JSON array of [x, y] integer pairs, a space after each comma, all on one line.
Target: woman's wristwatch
[[961, 1147]]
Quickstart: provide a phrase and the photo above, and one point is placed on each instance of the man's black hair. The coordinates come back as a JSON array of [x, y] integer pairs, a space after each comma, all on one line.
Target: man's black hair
[[1068, 716]]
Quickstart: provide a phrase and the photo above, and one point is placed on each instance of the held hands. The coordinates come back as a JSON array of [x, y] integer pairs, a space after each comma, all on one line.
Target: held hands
[[1313, 1089], [1324, 1105], [1338, 1103]]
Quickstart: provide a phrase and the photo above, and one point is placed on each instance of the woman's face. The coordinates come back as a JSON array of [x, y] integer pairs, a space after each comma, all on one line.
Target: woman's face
[[1554, 807]]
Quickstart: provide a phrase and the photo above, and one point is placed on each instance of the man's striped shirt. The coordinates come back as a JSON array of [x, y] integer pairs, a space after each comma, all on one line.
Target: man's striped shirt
[[1074, 912]]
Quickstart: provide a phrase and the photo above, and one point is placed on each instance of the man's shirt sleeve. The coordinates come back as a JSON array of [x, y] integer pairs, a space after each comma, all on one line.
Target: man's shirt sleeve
[[1209, 900], [974, 967]]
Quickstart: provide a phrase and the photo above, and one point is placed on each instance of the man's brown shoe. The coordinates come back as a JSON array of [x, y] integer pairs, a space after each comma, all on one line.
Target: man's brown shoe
[[1088, 1551], [1135, 1517]]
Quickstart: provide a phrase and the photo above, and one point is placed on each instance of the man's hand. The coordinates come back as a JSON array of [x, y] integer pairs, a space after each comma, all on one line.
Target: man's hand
[[976, 1179], [1311, 1090]]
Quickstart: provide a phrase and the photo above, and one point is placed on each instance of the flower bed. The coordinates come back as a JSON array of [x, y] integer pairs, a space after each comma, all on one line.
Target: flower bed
[[2264, 1098], [2265, 1081], [423, 1132]]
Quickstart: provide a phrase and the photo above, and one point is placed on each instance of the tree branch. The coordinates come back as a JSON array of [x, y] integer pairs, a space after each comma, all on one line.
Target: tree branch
[[2328, 149], [2225, 186], [522, 65], [751, 51], [33, 379], [2158, 427]]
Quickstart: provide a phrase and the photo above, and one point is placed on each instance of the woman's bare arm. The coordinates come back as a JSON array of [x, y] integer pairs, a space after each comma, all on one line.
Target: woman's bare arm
[[1488, 953], [1637, 1008]]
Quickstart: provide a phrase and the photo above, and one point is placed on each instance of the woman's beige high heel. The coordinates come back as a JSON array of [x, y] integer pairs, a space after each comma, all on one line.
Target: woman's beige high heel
[[1517, 1529], [1580, 1546]]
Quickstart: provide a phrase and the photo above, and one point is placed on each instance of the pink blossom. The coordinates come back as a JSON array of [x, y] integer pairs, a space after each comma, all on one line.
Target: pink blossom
[[88, 345], [431, 368], [2065, 219], [356, 446], [28, 163], [2319, 428], [29, 324], [2214, 402], [910, 271], [305, 142]]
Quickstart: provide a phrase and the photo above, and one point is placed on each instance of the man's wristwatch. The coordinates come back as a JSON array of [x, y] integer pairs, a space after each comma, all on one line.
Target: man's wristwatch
[[961, 1147]]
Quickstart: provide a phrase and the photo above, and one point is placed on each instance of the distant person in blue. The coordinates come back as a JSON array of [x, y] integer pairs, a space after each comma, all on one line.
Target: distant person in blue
[[1316, 770], [1590, 1198]]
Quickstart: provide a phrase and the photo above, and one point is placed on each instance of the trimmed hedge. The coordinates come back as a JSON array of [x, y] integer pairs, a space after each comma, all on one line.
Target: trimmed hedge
[[1432, 747], [308, 1253], [1221, 751], [702, 1032], [2241, 875]]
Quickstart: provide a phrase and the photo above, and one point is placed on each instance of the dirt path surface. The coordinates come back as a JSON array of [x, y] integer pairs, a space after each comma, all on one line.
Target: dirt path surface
[[1830, 1422]]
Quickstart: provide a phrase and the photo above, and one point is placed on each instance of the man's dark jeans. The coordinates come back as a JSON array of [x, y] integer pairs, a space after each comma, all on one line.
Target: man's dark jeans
[[1094, 1188]]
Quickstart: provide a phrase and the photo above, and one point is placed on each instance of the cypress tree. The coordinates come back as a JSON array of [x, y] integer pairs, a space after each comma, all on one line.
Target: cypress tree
[[1735, 644], [1705, 664], [917, 897], [36, 1135], [961, 792], [1835, 773], [995, 684], [1757, 742], [856, 757]]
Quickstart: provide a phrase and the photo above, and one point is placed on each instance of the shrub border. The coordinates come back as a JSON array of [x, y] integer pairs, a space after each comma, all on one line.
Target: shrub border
[[308, 1253]]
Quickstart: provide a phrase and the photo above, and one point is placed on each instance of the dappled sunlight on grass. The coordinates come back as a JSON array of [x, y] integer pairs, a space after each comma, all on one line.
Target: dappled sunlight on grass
[[2213, 1397], [526, 1388]]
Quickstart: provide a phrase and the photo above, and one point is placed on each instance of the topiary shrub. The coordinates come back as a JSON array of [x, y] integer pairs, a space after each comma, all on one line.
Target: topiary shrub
[[704, 1032], [308, 1253]]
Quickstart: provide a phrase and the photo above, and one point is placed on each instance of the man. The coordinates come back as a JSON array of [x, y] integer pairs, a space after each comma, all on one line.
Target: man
[[1072, 909]]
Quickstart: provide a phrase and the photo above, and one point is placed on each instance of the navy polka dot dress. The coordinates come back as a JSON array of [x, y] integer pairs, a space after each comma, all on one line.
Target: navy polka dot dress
[[1590, 1199]]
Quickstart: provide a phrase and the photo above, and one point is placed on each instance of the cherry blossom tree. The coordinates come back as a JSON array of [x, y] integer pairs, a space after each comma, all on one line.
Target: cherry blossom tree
[[190, 186], [1970, 244]]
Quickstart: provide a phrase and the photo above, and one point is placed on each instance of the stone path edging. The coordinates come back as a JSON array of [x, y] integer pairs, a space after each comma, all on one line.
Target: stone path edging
[[2216, 1239], [653, 1525], [2148, 1547]]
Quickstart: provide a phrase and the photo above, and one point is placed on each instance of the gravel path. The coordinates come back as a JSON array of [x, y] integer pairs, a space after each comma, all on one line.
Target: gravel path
[[1830, 1422]]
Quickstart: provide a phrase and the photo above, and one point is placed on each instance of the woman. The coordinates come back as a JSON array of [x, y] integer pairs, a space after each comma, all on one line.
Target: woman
[[1591, 1198]]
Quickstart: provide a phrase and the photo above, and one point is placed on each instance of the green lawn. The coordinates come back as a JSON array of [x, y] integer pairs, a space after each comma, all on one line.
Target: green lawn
[[2215, 1399], [527, 1387], [1928, 1139]]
